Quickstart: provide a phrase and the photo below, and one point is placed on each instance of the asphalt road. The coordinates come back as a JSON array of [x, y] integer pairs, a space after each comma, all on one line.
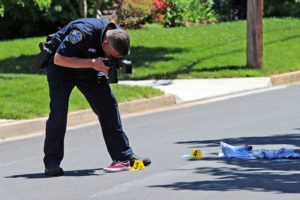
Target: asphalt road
[[265, 120]]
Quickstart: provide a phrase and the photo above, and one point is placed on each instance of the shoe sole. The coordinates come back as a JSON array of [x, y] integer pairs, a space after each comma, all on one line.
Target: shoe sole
[[116, 169]]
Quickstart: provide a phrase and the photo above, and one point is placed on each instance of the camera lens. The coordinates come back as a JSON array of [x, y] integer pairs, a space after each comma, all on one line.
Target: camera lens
[[127, 66]]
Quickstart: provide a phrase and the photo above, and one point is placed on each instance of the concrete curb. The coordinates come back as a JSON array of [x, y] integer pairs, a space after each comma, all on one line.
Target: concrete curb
[[286, 78], [28, 127], [14, 128]]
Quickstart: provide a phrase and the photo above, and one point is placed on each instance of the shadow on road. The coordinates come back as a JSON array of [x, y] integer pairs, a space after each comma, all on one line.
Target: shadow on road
[[84, 172], [234, 178], [283, 139], [280, 176]]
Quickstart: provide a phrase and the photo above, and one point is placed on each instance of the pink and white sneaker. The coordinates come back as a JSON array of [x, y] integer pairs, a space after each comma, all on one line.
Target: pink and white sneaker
[[118, 166]]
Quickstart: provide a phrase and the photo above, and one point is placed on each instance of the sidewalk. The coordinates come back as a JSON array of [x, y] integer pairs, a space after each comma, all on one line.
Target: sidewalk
[[176, 92], [199, 89]]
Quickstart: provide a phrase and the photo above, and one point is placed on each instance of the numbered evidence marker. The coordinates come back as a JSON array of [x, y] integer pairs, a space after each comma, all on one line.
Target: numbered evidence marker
[[138, 165], [196, 154]]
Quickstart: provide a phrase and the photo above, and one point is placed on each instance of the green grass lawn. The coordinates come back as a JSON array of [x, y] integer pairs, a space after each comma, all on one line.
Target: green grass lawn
[[213, 51], [210, 51], [26, 96]]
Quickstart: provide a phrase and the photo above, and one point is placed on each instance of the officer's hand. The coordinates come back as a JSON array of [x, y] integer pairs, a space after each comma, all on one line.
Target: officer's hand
[[100, 66]]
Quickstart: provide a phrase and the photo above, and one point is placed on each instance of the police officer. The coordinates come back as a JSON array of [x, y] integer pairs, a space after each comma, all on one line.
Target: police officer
[[80, 48]]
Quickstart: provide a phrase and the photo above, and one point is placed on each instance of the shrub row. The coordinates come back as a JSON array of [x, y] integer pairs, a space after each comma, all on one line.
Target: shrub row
[[27, 19]]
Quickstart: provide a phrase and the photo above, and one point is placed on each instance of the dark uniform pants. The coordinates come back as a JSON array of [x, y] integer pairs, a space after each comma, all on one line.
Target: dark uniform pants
[[61, 81]]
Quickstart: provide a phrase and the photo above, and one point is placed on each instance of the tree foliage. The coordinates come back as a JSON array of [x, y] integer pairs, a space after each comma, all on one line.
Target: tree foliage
[[42, 4], [25, 18]]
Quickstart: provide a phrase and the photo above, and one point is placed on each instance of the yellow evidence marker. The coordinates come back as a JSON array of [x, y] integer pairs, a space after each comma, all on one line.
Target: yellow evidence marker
[[138, 165], [196, 154]]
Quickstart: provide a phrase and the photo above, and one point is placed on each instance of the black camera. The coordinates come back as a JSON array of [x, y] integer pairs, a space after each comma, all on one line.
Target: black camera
[[115, 65]]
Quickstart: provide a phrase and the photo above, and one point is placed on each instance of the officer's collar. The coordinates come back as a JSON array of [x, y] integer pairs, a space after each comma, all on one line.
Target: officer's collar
[[109, 25]]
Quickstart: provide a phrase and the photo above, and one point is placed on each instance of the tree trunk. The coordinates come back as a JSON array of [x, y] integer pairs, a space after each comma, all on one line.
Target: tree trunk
[[97, 11], [254, 33], [83, 8]]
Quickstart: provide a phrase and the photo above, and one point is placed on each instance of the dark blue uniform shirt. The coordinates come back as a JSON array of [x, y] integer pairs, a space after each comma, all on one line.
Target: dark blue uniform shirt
[[82, 38]]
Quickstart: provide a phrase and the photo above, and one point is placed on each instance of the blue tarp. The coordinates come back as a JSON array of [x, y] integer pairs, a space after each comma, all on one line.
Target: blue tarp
[[247, 152]]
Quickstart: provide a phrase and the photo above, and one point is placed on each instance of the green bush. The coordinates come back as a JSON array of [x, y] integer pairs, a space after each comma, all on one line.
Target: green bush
[[184, 12], [229, 10], [26, 19], [200, 11], [134, 13], [280, 8], [175, 13], [222, 8]]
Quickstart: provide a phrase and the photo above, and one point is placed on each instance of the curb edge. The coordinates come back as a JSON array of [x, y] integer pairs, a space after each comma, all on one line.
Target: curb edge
[[77, 118]]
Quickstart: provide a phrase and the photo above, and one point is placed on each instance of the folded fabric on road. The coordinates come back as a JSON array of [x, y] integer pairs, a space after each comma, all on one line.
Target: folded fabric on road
[[247, 152]]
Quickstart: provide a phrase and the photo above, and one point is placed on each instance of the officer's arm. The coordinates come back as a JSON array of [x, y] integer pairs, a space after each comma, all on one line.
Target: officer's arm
[[75, 62]]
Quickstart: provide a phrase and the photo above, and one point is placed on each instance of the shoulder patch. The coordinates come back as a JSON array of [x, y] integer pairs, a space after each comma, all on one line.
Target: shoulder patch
[[75, 36]]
